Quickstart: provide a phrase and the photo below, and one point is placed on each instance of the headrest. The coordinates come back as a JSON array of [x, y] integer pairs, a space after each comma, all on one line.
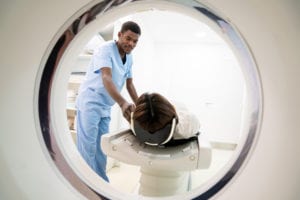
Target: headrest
[[157, 138]]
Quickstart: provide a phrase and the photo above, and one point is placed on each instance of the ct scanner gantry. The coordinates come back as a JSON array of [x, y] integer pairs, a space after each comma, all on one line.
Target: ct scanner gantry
[[266, 167]]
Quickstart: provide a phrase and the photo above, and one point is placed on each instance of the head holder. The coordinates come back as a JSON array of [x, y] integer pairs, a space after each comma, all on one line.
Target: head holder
[[157, 138]]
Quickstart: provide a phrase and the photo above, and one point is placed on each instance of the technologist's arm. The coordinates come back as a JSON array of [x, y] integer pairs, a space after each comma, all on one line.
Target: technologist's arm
[[126, 107], [131, 90]]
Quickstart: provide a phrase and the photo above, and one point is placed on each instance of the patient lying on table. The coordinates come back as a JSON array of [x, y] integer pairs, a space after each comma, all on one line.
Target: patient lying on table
[[156, 121]]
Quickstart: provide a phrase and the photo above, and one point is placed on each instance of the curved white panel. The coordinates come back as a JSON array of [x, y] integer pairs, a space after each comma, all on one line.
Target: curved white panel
[[29, 31]]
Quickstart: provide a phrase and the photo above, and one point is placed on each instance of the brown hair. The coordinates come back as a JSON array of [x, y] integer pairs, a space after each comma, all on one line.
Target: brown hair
[[153, 112]]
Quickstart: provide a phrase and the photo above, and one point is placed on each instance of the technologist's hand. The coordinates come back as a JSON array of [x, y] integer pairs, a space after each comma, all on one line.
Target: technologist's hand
[[127, 108]]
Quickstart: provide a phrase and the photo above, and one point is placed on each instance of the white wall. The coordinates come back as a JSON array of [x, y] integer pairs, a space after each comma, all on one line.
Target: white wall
[[208, 82]]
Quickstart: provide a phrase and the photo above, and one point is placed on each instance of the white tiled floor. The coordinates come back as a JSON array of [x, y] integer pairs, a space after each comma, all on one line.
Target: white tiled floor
[[125, 177]]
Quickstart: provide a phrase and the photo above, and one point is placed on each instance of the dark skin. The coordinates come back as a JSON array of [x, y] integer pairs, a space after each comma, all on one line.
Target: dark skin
[[126, 43]]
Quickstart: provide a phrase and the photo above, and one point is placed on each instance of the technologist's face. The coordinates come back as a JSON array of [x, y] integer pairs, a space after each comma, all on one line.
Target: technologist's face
[[128, 40]]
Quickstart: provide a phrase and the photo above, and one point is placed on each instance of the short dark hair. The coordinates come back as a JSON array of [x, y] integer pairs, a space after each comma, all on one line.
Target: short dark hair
[[153, 112], [132, 26]]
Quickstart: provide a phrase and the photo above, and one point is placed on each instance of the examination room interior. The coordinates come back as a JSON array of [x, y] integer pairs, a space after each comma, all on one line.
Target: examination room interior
[[191, 64], [235, 64]]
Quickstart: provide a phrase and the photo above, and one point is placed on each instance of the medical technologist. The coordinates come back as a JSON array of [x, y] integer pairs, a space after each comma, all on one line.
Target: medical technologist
[[109, 69]]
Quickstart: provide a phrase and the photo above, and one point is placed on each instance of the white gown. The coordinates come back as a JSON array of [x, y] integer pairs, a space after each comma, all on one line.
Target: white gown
[[188, 125]]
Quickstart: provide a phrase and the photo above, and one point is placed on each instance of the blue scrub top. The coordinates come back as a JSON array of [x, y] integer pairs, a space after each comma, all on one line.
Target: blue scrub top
[[92, 90]]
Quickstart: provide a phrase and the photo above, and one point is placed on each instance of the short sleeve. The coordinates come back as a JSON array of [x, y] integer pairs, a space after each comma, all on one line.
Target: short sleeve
[[102, 58]]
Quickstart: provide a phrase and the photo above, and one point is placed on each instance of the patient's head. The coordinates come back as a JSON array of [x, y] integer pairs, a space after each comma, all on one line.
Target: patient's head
[[153, 112]]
